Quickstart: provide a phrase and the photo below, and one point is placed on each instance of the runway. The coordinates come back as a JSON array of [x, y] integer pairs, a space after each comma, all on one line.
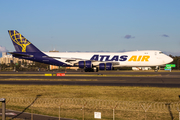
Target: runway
[[151, 79]]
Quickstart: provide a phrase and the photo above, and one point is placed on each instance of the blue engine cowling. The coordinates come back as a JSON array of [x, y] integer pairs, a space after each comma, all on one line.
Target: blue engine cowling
[[105, 66], [102, 66], [85, 64]]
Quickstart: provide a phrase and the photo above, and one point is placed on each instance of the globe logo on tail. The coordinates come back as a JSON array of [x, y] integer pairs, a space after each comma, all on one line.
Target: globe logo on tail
[[19, 40]]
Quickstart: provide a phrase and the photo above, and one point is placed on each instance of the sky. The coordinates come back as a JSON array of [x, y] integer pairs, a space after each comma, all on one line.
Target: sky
[[93, 25]]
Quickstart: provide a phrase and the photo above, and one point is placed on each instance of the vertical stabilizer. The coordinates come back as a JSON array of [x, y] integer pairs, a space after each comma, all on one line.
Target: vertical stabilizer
[[21, 44]]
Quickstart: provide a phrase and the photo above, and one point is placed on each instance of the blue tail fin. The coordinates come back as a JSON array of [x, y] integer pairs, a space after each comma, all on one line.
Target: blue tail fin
[[21, 44]]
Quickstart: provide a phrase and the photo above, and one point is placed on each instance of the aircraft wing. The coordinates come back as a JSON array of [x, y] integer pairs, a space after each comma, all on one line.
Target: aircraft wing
[[74, 61]]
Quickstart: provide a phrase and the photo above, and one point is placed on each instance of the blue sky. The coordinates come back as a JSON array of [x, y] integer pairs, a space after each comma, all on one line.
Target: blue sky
[[93, 25]]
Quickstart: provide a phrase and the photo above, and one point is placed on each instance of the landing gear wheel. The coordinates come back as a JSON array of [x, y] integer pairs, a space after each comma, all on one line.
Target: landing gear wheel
[[95, 69], [88, 70], [156, 69]]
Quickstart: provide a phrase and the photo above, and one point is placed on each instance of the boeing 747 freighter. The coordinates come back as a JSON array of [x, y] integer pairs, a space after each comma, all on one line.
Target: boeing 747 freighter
[[89, 61]]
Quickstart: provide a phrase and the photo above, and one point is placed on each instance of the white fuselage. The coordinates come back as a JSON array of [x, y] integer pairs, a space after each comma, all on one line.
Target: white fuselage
[[124, 59]]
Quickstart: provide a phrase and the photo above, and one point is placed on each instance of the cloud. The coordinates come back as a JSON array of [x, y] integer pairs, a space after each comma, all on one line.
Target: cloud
[[128, 37], [3, 49], [164, 35]]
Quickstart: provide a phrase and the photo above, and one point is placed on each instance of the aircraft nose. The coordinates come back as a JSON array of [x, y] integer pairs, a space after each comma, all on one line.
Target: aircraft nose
[[169, 59]]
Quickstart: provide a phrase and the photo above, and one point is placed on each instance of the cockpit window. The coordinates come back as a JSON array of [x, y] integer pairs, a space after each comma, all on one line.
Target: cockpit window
[[160, 52]]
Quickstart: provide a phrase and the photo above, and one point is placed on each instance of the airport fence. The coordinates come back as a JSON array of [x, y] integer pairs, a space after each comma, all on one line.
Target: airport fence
[[88, 109]]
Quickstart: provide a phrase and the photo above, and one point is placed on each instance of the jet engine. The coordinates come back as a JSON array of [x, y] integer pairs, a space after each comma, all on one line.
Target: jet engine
[[85, 64], [105, 66]]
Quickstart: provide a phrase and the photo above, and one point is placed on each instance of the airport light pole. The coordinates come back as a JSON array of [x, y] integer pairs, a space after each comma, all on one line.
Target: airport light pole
[[3, 100]]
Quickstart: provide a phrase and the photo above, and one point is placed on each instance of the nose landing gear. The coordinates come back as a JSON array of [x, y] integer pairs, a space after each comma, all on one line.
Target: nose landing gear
[[156, 69]]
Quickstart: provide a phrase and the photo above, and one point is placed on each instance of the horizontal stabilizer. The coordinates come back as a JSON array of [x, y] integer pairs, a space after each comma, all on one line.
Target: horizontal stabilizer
[[19, 54]]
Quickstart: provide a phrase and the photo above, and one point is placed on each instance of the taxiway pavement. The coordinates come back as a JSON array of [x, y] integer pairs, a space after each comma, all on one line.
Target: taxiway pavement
[[151, 79]]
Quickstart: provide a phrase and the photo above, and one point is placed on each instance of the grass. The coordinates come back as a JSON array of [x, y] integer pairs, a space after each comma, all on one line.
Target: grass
[[74, 109], [93, 93], [151, 94]]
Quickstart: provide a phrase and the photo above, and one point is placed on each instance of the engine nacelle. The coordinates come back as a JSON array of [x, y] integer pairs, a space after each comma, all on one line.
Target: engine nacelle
[[109, 66], [105, 66], [85, 64]]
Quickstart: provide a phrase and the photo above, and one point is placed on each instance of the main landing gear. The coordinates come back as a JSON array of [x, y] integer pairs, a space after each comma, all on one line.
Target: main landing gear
[[94, 69], [156, 69]]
